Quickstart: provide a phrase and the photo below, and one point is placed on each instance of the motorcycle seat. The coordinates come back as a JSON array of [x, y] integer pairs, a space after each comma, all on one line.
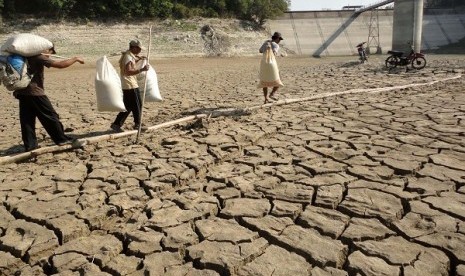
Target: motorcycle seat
[[396, 53]]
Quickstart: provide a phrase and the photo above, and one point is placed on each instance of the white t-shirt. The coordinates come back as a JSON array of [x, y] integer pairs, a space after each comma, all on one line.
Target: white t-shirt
[[128, 82], [274, 47]]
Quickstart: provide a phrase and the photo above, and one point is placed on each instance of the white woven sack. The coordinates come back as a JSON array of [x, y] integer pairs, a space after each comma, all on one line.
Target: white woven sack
[[153, 92], [27, 45], [269, 72], [108, 87]]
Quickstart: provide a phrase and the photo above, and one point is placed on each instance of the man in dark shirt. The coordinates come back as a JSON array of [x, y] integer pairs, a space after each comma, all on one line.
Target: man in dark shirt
[[33, 103]]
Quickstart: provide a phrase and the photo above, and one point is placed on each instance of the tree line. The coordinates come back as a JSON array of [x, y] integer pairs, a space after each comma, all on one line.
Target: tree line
[[254, 10]]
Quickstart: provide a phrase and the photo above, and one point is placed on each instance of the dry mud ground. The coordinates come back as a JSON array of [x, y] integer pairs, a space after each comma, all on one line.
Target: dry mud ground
[[364, 183]]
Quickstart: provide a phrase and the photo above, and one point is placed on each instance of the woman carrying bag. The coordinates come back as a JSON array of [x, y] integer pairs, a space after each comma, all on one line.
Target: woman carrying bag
[[269, 72]]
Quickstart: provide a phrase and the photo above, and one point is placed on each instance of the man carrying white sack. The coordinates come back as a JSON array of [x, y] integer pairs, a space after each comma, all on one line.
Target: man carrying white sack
[[33, 103], [131, 95], [269, 72]]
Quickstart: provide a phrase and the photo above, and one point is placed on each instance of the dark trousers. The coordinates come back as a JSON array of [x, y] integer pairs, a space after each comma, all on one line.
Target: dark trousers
[[32, 107], [132, 102]]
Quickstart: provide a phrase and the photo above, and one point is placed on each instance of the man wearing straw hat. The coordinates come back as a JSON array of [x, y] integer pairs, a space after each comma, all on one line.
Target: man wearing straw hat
[[131, 95], [33, 103]]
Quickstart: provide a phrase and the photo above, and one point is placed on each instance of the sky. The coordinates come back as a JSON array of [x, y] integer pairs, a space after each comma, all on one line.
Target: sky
[[305, 5]]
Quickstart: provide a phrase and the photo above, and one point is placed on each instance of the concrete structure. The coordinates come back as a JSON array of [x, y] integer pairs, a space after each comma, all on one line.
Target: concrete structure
[[418, 25], [408, 18], [306, 32]]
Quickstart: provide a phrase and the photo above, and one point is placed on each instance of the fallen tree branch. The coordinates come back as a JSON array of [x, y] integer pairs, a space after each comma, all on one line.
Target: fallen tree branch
[[215, 113]]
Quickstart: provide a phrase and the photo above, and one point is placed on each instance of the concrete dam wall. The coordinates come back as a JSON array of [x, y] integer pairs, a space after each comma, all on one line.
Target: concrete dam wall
[[338, 32]]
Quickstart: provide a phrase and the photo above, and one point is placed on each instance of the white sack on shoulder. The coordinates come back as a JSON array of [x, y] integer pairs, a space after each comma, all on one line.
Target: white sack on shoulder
[[269, 72], [108, 87], [27, 45], [153, 92]]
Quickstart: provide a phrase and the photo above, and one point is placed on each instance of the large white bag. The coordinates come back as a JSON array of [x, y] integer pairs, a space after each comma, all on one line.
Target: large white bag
[[269, 72], [108, 87], [153, 93], [27, 45]]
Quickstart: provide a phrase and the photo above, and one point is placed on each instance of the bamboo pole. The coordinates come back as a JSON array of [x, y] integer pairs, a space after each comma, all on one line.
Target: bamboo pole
[[40, 151], [115, 54], [91, 140], [225, 112], [178, 121], [145, 87]]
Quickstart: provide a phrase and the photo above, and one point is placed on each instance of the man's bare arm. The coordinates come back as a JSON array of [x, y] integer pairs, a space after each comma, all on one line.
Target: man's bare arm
[[131, 71], [66, 63]]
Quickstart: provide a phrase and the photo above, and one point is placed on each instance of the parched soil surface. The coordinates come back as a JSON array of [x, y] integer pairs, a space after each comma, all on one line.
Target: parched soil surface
[[362, 183]]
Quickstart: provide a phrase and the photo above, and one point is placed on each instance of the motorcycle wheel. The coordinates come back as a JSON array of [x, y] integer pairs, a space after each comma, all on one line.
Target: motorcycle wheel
[[391, 62], [419, 63]]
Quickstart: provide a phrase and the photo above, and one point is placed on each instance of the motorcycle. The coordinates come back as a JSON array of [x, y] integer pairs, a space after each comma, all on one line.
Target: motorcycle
[[361, 52], [397, 58]]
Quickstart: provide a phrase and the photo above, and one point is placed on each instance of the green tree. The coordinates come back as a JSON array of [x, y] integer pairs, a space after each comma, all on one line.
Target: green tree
[[181, 11], [238, 8], [262, 10], [58, 8], [257, 10], [9, 8], [217, 5], [160, 8]]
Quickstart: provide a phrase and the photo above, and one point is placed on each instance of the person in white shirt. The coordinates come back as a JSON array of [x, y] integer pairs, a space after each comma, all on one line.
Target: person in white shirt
[[131, 96], [275, 39]]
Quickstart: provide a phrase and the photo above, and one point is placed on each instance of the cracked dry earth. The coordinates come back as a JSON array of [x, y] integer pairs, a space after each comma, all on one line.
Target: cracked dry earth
[[360, 184]]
